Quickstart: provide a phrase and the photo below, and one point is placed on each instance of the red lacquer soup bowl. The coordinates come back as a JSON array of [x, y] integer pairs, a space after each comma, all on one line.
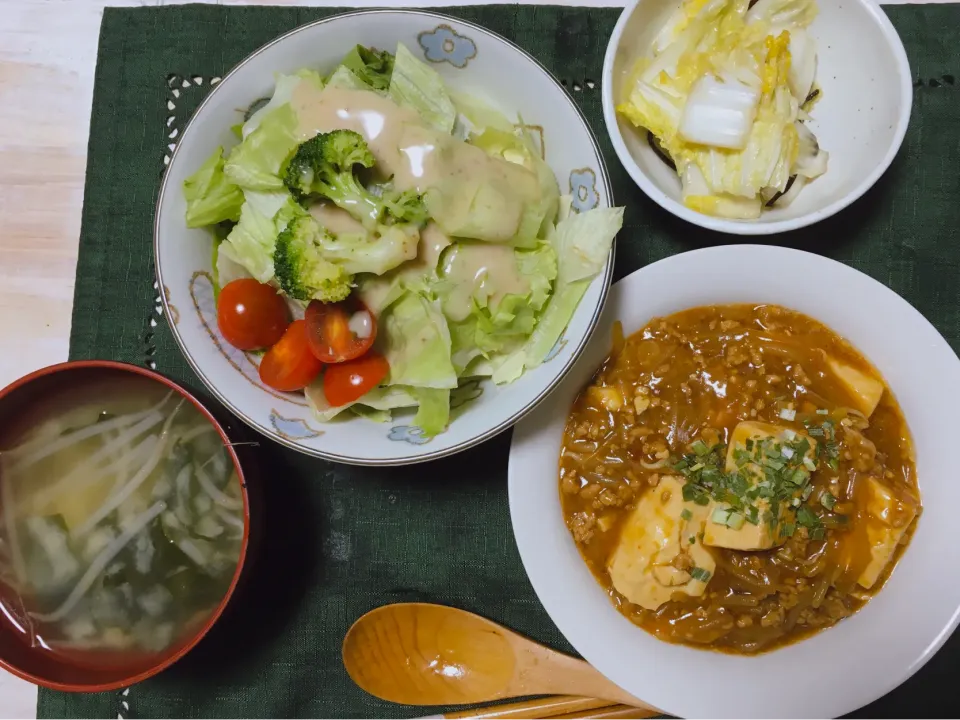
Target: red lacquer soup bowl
[[71, 643]]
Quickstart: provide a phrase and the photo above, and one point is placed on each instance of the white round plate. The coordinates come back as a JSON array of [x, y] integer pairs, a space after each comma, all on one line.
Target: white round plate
[[471, 60], [860, 120], [833, 672]]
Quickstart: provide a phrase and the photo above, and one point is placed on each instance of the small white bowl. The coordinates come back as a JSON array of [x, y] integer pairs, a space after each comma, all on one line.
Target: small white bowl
[[472, 60], [860, 120], [835, 671]]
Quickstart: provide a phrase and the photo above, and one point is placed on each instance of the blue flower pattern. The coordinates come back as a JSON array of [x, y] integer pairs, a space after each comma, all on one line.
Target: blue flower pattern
[[292, 428], [583, 189], [470, 390], [444, 44], [408, 433]]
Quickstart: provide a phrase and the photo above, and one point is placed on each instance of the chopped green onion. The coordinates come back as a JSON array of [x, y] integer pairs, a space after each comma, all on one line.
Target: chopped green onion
[[788, 414], [695, 493], [775, 464], [700, 574], [769, 518], [818, 533], [810, 464], [806, 492], [686, 514], [807, 518], [735, 520], [823, 411], [720, 516], [753, 515], [790, 435], [787, 529], [787, 452], [828, 500], [698, 466], [700, 448], [692, 540], [795, 502]]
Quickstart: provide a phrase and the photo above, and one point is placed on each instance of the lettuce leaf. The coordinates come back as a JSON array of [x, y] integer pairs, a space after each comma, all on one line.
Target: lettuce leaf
[[434, 411], [490, 331], [250, 244], [582, 243], [518, 147], [343, 78], [381, 400], [415, 339], [416, 85], [211, 197], [284, 85], [255, 163], [225, 270], [478, 115]]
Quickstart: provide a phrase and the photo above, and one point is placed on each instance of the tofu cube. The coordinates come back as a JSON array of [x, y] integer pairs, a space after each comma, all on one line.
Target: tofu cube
[[885, 515], [654, 559], [748, 536], [865, 391]]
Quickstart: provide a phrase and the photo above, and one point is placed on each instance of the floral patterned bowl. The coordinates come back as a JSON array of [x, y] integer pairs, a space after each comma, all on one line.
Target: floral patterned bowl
[[471, 59]]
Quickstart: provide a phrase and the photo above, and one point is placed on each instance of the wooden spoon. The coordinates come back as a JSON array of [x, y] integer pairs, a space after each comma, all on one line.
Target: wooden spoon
[[423, 654]]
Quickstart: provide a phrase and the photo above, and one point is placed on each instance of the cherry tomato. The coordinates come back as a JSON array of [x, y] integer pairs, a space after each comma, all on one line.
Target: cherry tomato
[[289, 365], [250, 314], [332, 329], [348, 381]]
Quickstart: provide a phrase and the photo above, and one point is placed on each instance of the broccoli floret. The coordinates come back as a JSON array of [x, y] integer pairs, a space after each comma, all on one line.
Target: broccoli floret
[[374, 67], [376, 253], [300, 268], [406, 206], [324, 165]]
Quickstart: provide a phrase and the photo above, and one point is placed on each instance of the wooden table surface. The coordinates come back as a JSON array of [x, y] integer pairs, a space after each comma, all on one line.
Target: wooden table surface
[[48, 52]]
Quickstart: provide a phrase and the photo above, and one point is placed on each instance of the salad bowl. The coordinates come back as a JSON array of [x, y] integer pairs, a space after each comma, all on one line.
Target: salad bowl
[[473, 63]]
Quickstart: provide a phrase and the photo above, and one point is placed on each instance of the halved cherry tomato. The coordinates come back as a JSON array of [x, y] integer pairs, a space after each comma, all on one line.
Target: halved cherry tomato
[[251, 315], [348, 381], [340, 331], [289, 365]]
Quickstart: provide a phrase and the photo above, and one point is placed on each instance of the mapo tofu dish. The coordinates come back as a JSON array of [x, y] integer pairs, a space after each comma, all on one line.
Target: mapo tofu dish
[[738, 477]]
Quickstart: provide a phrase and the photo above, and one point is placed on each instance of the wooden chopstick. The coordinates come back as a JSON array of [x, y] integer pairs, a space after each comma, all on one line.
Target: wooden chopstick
[[609, 713], [548, 707]]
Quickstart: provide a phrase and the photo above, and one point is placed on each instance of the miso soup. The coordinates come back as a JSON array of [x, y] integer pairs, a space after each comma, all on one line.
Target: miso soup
[[121, 520]]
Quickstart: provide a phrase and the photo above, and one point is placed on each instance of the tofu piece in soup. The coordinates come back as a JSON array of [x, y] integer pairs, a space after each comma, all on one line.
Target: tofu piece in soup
[[746, 535], [886, 514], [865, 391], [655, 558]]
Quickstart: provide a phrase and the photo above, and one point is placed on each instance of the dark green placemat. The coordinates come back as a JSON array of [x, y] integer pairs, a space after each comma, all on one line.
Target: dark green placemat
[[343, 540]]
